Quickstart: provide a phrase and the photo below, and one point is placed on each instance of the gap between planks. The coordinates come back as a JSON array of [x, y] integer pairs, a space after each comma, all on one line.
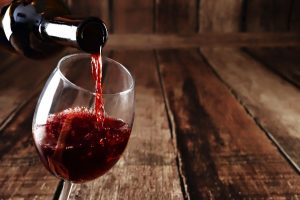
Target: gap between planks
[[172, 126], [275, 66], [273, 139], [167, 41], [270, 136], [37, 88], [22, 104], [212, 100], [141, 165]]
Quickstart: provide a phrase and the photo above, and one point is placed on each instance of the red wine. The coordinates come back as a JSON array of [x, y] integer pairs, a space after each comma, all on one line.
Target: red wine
[[96, 62], [73, 147]]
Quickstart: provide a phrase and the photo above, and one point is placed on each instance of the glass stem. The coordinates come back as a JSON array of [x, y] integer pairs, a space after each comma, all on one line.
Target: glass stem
[[66, 190]]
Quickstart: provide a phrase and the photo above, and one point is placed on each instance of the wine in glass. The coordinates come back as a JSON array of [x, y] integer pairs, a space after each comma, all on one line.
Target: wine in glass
[[70, 140]]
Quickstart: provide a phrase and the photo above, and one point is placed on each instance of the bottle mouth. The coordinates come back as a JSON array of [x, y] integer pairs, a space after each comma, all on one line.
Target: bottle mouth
[[91, 35], [87, 35]]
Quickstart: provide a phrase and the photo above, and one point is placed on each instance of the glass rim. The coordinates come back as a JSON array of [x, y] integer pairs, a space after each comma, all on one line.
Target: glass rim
[[59, 65]]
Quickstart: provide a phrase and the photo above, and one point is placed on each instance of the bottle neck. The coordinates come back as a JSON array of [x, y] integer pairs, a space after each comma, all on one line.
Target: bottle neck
[[31, 29], [88, 34]]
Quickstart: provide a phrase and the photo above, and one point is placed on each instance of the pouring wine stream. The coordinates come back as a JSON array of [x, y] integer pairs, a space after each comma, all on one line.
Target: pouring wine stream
[[96, 63]]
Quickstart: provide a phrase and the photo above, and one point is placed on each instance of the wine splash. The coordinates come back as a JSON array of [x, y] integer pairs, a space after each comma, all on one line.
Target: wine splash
[[75, 149]]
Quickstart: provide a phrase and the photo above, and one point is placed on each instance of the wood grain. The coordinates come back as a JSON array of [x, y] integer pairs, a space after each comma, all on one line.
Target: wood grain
[[176, 16], [167, 41], [22, 173], [284, 61], [225, 154], [148, 168], [208, 147], [90, 8], [14, 91], [268, 15], [133, 16], [271, 101], [220, 16]]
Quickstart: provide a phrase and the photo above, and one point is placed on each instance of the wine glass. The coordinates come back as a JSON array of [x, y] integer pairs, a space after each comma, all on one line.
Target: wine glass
[[68, 138]]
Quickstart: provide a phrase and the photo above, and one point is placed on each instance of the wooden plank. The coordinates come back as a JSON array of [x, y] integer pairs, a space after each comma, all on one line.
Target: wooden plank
[[133, 16], [148, 168], [20, 79], [220, 16], [22, 173], [271, 101], [268, 15], [167, 41], [225, 154], [283, 61], [176, 16], [90, 8]]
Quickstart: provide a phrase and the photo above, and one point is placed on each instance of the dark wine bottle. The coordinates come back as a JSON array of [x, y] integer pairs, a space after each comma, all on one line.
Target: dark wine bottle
[[40, 28]]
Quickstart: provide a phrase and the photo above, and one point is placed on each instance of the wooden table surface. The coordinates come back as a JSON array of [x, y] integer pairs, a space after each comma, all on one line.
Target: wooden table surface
[[209, 123], [213, 120]]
